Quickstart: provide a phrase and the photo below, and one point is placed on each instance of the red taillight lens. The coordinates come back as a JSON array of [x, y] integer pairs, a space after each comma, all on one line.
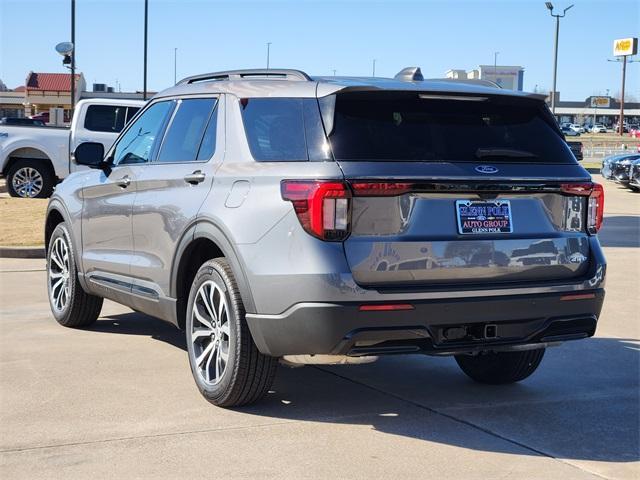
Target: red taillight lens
[[595, 203], [323, 207], [595, 209]]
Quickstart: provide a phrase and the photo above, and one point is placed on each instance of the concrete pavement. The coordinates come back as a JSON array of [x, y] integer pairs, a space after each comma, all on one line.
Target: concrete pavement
[[118, 401]]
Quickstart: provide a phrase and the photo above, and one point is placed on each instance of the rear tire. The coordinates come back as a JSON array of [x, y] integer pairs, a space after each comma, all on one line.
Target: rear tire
[[31, 178], [498, 368], [70, 304], [227, 367]]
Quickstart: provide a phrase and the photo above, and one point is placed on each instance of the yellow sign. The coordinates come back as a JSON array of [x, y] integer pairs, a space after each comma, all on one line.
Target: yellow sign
[[600, 102], [625, 46]]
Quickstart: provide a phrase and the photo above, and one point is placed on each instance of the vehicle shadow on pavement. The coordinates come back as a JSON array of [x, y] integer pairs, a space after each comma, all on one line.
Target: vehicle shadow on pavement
[[583, 403], [620, 231]]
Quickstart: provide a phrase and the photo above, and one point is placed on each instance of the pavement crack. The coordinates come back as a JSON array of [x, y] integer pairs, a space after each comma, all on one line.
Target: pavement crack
[[461, 421]]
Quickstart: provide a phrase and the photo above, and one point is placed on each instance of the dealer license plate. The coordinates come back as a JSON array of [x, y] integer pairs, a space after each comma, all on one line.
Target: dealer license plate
[[480, 217]]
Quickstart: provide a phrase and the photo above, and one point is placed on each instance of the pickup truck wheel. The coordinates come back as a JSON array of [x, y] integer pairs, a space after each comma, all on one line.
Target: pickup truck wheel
[[30, 178], [70, 304], [500, 367], [225, 362]]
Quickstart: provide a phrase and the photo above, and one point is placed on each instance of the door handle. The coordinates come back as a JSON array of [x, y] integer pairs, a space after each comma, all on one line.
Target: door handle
[[124, 181], [195, 177]]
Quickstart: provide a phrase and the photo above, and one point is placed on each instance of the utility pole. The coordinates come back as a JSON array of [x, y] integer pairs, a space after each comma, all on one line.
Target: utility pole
[[334, 72], [549, 6], [624, 62], [373, 73], [146, 18], [73, 57], [268, 52], [495, 63], [175, 65]]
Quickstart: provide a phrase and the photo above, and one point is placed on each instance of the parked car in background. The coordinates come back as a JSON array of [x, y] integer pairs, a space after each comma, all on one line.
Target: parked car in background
[[569, 132], [21, 121], [271, 214], [35, 158], [576, 149], [634, 175], [42, 116], [621, 167], [577, 128], [598, 128], [606, 170]]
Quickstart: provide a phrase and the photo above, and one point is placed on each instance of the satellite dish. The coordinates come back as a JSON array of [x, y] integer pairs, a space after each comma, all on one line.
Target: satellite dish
[[64, 48]]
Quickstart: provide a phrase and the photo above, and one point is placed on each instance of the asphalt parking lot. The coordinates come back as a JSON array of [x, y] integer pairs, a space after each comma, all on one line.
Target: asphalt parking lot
[[117, 400]]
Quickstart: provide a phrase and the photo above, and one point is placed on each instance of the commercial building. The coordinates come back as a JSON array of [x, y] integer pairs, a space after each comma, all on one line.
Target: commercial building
[[507, 76], [43, 92], [604, 110]]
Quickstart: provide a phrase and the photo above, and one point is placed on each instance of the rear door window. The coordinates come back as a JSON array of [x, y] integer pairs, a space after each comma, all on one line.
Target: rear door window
[[105, 118], [185, 132], [410, 126]]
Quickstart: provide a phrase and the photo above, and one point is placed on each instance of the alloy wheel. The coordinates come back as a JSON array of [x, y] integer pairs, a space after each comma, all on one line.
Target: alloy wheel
[[27, 182], [59, 283], [210, 333]]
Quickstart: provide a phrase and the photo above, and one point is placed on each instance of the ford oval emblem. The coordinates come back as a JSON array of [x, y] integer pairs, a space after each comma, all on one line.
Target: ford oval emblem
[[486, 169]]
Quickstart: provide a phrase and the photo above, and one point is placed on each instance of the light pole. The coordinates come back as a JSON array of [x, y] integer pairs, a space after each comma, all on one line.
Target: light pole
[[557, 16], [73, 57], [495, 63], [334, 72], [175, 65], [268, 52], [146, 17], [373, 73]]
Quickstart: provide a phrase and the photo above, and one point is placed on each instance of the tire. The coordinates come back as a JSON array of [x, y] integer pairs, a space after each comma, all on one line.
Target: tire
[[30, 178], [70, 304], [243, 374], [498, 368]]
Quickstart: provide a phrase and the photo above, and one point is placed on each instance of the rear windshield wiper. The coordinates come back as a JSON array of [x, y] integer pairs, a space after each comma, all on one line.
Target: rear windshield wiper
[[503, 152]]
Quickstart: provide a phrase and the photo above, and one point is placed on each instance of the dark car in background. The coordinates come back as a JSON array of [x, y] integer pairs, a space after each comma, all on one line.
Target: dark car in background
[[21, 121], [576, 149]]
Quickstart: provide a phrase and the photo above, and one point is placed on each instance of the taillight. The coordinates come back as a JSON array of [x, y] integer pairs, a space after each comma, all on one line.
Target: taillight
[[595, 202], [322, 206], [595, 209]]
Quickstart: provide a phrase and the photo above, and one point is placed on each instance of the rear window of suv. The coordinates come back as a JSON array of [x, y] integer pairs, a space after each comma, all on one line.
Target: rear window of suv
[[410, 126]]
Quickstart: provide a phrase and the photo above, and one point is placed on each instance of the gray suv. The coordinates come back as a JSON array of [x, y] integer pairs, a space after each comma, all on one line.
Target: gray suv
[[277, 216]]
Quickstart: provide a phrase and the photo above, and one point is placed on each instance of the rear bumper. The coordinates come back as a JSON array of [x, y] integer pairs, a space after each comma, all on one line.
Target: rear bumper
[[440, 327]]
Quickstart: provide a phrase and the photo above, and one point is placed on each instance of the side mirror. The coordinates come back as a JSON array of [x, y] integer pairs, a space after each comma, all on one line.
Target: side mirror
[[90, 154]]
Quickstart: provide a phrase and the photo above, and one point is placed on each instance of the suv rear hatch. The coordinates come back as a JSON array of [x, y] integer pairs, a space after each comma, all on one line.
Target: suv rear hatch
[[457, 189]]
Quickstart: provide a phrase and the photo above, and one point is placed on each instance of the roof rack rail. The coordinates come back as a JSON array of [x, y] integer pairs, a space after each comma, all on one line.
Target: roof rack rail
[[286, 74]]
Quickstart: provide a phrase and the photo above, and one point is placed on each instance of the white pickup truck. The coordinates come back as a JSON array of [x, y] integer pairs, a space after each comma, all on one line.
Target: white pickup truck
[[33, 159]]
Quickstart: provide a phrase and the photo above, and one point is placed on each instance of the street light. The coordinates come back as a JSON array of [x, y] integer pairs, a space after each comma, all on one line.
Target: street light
[[67, 50], [373, 73], [146, 18], [495, 63], [175, 65], [557, 16]]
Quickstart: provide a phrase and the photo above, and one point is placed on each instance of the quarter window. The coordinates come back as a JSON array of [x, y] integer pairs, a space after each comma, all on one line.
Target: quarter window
[[105, 118], [135, 146], [186, 131]]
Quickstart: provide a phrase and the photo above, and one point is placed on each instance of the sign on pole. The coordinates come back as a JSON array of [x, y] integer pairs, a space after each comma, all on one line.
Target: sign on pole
[[625, 46]]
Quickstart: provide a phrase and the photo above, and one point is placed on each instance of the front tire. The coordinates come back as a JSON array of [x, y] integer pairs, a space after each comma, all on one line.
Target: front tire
[[497, 368], [228, 368], [70, 304], [30, 179]]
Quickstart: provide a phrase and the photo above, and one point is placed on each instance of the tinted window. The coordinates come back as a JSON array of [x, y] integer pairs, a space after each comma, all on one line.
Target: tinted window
[[284, 129], [131, 112], [105, 118], [419, 127], [135, 146], [183, 138], [208, 145]]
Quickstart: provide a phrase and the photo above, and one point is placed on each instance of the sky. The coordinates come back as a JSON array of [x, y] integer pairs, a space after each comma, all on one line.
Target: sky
[[320, 37]]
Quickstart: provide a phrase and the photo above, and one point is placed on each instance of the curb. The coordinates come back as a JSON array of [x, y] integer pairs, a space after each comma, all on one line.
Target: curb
[[22, 252]]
